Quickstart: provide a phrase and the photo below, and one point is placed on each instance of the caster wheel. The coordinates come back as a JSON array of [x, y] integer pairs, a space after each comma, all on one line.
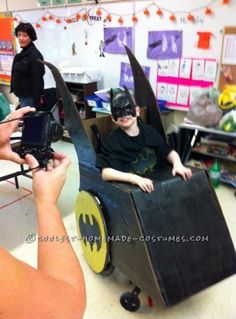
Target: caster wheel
[[130, 301]]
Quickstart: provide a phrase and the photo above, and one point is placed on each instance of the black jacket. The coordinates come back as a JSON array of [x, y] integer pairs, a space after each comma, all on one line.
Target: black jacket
[[27, 74]]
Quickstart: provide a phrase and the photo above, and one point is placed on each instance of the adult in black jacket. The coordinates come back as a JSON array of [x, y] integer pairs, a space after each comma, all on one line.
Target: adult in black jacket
[[27, 72]]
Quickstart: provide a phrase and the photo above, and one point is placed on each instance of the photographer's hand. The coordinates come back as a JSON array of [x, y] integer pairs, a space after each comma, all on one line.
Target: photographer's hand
[[6, 130], [47, 184]]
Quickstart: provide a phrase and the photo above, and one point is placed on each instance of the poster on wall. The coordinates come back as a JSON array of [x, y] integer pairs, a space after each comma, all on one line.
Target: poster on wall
[[126, 75], [7, 47], [229, 49], [6, 64], [164, 44], [116, 38]]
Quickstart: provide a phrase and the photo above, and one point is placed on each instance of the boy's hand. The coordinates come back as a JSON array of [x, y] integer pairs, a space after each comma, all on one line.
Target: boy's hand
[[181, 170], [145, 184]]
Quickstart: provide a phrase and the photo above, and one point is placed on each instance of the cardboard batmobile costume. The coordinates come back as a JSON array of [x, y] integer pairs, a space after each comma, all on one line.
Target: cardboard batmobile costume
[[171, 243]]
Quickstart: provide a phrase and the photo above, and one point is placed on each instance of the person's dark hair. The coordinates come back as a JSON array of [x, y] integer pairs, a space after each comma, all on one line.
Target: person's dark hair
[[27, 28]]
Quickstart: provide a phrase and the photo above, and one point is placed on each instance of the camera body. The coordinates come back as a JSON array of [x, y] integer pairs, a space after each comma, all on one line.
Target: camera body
[[38, 132]]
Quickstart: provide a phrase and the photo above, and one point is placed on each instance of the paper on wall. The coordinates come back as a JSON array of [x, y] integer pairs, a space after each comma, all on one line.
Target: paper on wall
[[183, 94], [229, 49], [171, 93], [173, 67], [195, 91], [198, 70], [185, 68], [162, 91], [162, 67], [210, 70]]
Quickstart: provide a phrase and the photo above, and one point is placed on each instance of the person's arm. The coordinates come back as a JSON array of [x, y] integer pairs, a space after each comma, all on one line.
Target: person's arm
[[110, 174], [6, 130], [178, 167], [37, 73], [56, 289]]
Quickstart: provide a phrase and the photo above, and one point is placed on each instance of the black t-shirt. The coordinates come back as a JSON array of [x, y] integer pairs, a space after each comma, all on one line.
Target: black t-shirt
[[137, 154]]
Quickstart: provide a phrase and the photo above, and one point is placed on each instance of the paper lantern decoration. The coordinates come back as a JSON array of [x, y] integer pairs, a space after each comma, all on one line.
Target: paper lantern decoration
[[146, 12], [226, 1], [208, 11], [172, 17], [85, 17], [51, 17], [190, 17], [120, 20], [58, 20], [78, 16], [159, 12], [134, 19], [108, 18], [99, 12], [37, 25], [44, 18]]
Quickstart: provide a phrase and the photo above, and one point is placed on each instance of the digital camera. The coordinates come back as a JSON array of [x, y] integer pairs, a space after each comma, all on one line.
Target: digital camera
[[39, 130]]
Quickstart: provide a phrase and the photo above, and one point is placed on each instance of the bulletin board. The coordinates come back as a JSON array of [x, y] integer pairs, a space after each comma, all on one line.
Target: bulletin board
[[228, 58], [7, 47], [179, 81]]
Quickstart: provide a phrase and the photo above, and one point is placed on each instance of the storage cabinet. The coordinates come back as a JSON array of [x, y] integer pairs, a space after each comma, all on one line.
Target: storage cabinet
[[78, 92], [202, 142]]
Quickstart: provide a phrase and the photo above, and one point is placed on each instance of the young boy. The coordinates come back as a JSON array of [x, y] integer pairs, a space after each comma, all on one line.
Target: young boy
[[134, 148]]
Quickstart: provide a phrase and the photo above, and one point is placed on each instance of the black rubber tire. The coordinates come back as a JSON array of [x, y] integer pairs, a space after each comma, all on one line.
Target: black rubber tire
[[108, 271]]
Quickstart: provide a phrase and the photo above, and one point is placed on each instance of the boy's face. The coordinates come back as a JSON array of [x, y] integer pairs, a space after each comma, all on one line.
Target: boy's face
[[127, 120]]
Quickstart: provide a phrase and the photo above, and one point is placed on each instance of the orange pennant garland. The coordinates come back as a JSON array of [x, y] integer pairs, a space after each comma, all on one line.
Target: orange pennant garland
[[133, 16]]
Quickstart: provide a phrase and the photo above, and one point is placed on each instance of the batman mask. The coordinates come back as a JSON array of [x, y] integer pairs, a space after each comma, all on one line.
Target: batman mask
[[122, 104]]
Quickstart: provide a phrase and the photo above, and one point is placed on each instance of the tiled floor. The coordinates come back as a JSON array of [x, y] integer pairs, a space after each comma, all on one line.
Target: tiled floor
[[18, 222]]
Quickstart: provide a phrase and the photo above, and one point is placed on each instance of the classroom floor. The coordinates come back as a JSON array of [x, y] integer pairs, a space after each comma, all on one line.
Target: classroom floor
[[18, 222]]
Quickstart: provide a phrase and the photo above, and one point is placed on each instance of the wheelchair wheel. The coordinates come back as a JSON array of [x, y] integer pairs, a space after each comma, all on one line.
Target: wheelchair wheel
[[92, 231]]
